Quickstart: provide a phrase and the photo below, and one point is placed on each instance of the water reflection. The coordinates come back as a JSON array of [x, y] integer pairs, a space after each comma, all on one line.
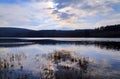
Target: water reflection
[[102, 44], [69, 66], [62, 64], [11, 67], [60, 60]]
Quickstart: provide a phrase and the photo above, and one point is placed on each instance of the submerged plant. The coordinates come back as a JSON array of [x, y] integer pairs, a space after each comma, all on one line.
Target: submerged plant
[[67, 65], [61, 64]]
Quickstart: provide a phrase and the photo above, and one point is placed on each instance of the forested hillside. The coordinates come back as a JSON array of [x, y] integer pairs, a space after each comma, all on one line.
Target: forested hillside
[[104, 31]]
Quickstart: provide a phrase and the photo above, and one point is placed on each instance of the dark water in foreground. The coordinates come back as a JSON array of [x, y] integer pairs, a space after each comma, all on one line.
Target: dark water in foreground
[[59, 59]]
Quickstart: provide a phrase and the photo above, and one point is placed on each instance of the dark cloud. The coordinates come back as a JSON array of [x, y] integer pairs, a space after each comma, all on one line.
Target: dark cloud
[[55, 12], [90, 7], [65, 3], [62, 15], [60, 4], [84, 5], [65, 15]]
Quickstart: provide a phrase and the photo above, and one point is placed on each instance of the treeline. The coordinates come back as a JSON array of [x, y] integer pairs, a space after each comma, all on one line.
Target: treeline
[[110, 28], [106, 31]]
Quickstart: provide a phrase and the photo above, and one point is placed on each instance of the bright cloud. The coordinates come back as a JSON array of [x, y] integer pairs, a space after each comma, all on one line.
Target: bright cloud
[[59, 14]]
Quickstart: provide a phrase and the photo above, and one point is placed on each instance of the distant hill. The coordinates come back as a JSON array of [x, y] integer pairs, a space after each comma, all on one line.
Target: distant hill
[[14, 32], [104, 31]]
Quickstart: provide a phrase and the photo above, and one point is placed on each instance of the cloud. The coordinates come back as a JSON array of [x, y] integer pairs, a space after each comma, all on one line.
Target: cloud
[[58, 14], [21, 15], [80, 9], [12, 14]]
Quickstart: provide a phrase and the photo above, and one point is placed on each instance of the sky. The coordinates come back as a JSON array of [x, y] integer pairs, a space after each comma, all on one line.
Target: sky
[[59, 14]]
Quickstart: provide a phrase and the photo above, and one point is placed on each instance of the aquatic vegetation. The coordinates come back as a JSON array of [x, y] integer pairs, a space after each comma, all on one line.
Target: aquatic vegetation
[[67, 65], [59, 64], [63, 55]]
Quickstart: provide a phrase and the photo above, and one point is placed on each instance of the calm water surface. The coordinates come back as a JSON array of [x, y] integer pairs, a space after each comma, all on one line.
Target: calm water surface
[[31, 60]]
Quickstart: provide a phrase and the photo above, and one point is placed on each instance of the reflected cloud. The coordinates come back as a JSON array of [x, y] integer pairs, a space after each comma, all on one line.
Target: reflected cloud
[[60, 62]]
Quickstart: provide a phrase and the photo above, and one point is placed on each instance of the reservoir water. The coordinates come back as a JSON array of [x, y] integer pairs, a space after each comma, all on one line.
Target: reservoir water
[[60, 58]]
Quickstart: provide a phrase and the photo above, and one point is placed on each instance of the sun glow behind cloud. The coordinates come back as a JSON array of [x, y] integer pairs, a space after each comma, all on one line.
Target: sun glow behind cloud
[[59, 14]]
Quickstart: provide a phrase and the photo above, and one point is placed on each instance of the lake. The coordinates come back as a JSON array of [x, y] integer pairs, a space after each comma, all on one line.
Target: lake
[[59, 58]]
